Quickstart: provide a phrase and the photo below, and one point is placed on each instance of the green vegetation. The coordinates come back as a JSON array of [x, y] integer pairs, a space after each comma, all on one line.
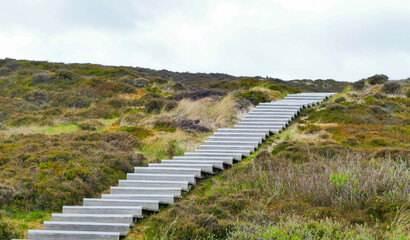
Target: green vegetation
[[339, 172], [69, 131]]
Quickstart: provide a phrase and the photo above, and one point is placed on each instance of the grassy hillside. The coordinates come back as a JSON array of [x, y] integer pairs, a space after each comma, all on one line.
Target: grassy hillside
[[341, 171], [69, 131]]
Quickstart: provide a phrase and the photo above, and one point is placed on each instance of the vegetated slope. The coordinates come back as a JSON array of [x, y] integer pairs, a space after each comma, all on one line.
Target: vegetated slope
[[340, 172], [69, 131]]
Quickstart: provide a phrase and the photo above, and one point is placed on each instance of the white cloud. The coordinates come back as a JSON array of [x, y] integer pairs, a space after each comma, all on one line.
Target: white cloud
[[307, 5], [345, 40], [225, 12]]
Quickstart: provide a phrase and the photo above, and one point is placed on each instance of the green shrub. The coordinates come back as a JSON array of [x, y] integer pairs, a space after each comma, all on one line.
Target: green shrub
[[359, 85], [153, 89], [41, 78], [377, 79], [391, 88], [8, 232], [155, 105], [379, 96], [340, 99], [138, 132], [117, 102], [254, 97], [136, 82], [408, 93], [91, 125], [65, 78]]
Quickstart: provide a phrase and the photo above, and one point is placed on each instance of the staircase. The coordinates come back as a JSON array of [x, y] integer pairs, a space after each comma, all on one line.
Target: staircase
[[112, 216]]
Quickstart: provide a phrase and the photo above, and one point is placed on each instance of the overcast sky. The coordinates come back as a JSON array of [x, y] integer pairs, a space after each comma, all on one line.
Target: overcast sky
[[344, 40]]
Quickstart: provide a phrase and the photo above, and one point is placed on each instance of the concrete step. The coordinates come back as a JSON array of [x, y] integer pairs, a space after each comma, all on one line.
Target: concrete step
[[164, 199], [265, 120], [319, 98], [270, 111], [215, 164], [244, 153], [176, 192], [302, 104], [272, 129], [239, 143], [162, 177], [150, 205], [233, 130], [289, 116], [236, 139], [121, 228], [311, 102], [134, 211], [234, 134], [235, 156], [271, 117], [72, 235], [263, 112], [277, 109], [226, 160], [178, 171], [99, 218], [275, 105], [208, 168], [240, 148], [260, 123], [150, 183]]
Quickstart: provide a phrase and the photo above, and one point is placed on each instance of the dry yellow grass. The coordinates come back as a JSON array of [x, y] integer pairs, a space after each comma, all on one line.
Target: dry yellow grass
[[213, 114], [139, 93]]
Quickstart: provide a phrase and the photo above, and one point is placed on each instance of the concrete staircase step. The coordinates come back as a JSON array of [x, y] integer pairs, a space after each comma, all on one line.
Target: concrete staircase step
[[235, 156], [121, 228], [270, 117], [254, 144], [215, 164], [262, 124], [264, 120], [226, 160], [234, 134], [236, 139], [72, 235], [149, 183], [176, 192], [241, 148], [244, 153], [178, 171], [207, 168], [162, 177], [151, 205], [134, 211], [233, 130], [164, 199], [272, 128], [99, 218]]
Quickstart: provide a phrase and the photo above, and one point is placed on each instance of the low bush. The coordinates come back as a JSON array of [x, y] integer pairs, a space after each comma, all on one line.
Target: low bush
[[41, 78], [391, 88], [379, 96], [155, 105], [255, 97], [377, 79], [90, 125], [359, 85], [340, 99], [138, 132], [136, 82], [195, 95]]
